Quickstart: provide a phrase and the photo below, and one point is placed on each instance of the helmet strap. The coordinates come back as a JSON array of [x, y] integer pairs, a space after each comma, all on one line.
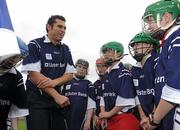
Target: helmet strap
[[109, 62], [138, 57]]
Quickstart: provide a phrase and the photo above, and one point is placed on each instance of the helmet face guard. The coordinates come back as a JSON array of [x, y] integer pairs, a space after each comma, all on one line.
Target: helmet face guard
[[112, 52], [141, 44]]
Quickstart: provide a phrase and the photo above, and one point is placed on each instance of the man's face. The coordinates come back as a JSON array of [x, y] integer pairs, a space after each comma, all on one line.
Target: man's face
[[57, 31]]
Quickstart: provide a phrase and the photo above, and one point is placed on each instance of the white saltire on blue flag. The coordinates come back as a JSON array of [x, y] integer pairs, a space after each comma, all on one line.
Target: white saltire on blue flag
[[10, 43]]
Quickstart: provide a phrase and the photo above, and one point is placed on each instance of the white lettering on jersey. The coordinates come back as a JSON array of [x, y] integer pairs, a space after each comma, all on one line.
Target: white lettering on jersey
[[145, 92], [109, 94], [4, 102], [160, 79], [53, 65]]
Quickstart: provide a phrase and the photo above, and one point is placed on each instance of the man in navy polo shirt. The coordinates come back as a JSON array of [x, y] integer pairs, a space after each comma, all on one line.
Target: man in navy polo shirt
[[49, 65]]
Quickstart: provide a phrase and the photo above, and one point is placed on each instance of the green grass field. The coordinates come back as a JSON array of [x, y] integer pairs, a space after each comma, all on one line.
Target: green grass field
[[21, 124]]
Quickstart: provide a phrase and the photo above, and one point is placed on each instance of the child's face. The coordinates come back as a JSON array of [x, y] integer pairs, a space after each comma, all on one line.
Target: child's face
[[141, 48], [101, 68], [81, 70]]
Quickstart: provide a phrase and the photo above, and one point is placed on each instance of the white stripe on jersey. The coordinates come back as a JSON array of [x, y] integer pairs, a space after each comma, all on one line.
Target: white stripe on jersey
[[176, 45], [170, 94], [177, 119]]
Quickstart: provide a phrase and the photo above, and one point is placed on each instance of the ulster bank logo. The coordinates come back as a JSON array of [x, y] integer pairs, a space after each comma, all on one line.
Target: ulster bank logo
[[48, 56]]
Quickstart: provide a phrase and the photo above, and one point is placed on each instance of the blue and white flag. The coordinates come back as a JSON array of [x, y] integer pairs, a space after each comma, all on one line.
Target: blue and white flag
[[10, 43], [5, 20]]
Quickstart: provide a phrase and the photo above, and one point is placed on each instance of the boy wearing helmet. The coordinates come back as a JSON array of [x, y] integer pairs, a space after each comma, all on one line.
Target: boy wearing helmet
[[118, 94], [161, 20], [100, 70], [81, 94], [12, 89], [142, 48]]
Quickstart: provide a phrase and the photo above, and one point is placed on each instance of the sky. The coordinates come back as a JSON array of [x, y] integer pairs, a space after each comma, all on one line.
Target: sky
[[90, 23]]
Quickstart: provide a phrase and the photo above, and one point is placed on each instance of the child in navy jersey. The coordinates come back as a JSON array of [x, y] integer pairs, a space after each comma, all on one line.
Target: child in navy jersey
[[142, 48], [118, 94], [161, 19], [81, 94], [100, 70]]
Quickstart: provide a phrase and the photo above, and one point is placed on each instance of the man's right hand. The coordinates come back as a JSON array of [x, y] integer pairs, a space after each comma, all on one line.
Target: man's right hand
[[62, 101]]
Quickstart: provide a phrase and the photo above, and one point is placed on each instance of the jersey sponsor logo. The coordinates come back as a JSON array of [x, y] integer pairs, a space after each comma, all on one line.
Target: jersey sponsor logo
[[62, 65], [112, 94], [160, 79], [76, 94], [53, 65], [145, 92], [4, 102], [48, 56]]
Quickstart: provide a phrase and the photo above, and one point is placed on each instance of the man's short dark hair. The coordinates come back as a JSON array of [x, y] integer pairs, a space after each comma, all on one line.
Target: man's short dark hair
[[53, 18]]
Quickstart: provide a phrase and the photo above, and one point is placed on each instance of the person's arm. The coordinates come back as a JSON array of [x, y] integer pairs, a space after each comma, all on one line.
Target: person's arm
[[91, 106], [111, 113], [162, 109], [103, 120], [89, 114], [144, 119], [41, 81]]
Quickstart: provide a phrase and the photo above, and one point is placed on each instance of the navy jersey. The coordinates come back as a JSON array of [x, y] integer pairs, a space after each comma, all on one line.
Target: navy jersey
[[143, 79], [48, 59], [98, 91], [78, 92], [118, 83], [12, 90], [167, 72]]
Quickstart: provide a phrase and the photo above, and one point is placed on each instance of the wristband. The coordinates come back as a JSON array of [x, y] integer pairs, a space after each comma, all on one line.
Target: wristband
[[152, 122]]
